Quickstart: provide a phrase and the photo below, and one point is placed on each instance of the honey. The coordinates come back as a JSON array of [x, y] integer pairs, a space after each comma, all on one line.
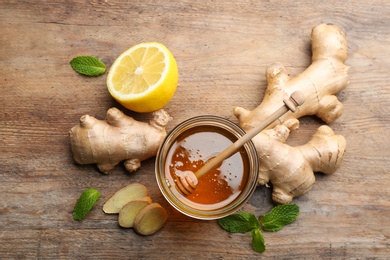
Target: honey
[[198, 145], [226, 187]]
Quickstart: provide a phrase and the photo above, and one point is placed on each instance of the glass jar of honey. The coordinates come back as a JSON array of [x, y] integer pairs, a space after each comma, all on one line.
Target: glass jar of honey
[[225, 188]]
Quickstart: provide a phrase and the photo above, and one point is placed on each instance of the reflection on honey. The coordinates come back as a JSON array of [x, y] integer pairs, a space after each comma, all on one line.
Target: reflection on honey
[[193, 148]]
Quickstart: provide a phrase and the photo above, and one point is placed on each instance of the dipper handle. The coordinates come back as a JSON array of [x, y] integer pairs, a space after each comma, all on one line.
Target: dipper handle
[[296, 99], [187, 183]]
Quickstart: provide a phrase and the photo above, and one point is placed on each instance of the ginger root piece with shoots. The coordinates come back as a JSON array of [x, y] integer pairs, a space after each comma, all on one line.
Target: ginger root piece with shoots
[[291, 169], [118, 138], [326, 76]]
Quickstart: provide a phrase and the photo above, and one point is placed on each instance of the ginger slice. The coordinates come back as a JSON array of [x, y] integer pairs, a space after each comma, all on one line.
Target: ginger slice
[[123, 196], [150, 219], [130, 211]]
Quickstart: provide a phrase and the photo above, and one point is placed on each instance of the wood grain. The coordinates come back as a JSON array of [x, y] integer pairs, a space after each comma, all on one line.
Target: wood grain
[[222, 49]]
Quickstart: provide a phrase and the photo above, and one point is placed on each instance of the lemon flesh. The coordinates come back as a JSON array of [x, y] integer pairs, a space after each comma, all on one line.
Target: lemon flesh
[[144, 78]]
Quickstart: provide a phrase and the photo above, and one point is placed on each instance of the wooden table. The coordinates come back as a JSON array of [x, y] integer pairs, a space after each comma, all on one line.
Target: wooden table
[[222, 49]]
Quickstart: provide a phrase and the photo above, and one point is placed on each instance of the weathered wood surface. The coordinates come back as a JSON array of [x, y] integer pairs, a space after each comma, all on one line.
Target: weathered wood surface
[[222, 49]]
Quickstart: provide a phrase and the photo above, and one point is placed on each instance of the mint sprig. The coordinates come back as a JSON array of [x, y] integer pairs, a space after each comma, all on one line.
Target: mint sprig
[[275, 220], [85, 203], [88, 65], [258, 243], [239, 223], [279, 217]]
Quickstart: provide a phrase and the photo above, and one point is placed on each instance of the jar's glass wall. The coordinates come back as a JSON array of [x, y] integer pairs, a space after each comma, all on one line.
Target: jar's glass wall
[[201, 211]]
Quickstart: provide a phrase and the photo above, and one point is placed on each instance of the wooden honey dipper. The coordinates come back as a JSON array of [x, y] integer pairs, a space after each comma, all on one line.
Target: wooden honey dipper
[[187, 181]]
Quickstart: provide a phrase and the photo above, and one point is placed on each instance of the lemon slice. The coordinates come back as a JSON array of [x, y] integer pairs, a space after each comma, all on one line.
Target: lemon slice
[[144, 78]]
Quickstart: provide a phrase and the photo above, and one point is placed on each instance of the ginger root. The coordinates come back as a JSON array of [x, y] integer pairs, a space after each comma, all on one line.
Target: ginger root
[[118, 138], [291, 169], [150, 219], [326, 76], [136, 209], [123, 196], [129, 212]]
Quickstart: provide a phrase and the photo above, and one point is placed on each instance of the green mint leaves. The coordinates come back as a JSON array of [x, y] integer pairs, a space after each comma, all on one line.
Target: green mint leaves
[[244, 222], [279, 217], [239, 223], [88, 65], [258, 243], [275, 220], [85, 203]]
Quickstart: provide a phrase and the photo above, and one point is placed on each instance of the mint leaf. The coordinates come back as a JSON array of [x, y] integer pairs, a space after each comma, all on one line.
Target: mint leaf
[[258, 243], [279, 216], [85, 203], [88, 65], [239, 223]]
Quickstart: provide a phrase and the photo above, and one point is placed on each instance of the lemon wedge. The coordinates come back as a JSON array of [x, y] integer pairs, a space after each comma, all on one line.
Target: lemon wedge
[[144, 78]]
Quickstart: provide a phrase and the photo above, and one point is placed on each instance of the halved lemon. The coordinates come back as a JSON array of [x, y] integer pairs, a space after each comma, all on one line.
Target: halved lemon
[[144, 78]]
